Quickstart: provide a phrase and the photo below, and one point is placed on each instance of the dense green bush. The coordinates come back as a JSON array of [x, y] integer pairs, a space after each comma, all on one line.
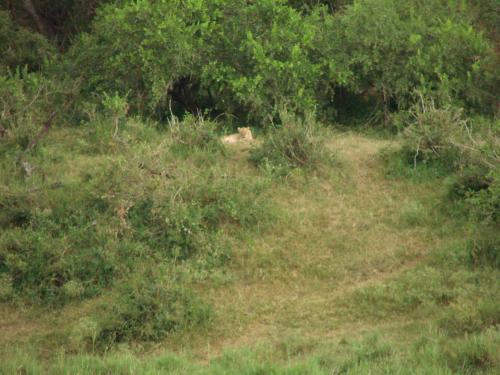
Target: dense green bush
[[138, 49], [484, 203], [28, 103], [184, 221], [56, 252], [249, 59], [265, 58], [469, 182], [398, 47], [255, 59], [42, 268]]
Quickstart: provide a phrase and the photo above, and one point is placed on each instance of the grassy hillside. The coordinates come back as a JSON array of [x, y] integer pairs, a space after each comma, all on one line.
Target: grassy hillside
[[358, 232], [354, 267]]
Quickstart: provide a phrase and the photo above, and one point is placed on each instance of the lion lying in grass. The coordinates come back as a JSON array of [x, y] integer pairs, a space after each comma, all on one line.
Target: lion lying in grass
[[243, 135]]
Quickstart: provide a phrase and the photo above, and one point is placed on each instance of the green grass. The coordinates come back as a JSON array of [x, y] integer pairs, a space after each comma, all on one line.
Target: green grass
[[155, 250], [430, 353]]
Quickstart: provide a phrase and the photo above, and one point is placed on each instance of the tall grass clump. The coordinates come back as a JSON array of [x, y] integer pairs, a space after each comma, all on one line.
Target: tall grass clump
[[194, 133], [295, 144], [433, 135]]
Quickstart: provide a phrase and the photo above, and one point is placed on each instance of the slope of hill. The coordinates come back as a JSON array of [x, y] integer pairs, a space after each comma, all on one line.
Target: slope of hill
[[354, 268]]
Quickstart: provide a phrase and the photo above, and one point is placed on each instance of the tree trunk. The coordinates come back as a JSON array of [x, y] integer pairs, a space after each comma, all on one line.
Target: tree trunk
[[41, 25]]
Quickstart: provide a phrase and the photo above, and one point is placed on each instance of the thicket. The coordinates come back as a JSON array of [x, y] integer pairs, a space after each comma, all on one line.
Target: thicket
[[254, 60]]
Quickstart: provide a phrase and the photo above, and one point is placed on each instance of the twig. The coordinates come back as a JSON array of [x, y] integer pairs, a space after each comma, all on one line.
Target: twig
[[46, 127], [416, 156], [153, 172]]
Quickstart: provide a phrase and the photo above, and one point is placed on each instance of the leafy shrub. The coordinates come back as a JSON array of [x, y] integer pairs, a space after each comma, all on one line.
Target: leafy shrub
[[414, 48], [295, 144], [27, 101], [468, 182], [266, 57], [138, 49], [185, 220], [477, 193], [484, 204], [57, 263], [173, 231], [149, 309], [115, 108], [59, 248]]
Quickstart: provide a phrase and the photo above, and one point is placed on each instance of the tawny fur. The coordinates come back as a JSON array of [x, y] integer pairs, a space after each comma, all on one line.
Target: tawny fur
[[243, 135]]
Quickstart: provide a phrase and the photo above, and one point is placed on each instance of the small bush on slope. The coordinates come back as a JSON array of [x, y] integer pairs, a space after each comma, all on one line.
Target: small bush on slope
[[147, 307], [27, 101], [294, 144]]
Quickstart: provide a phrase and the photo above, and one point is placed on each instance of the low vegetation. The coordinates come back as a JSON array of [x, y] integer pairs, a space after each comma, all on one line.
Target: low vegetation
[[357, 233], [294, 145]]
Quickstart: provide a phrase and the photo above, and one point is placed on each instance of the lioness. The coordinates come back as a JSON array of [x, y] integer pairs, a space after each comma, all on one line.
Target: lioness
[[243, 135]]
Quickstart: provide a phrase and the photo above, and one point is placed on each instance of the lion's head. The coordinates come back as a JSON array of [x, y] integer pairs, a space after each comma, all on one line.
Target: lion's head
[[245, 133]]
